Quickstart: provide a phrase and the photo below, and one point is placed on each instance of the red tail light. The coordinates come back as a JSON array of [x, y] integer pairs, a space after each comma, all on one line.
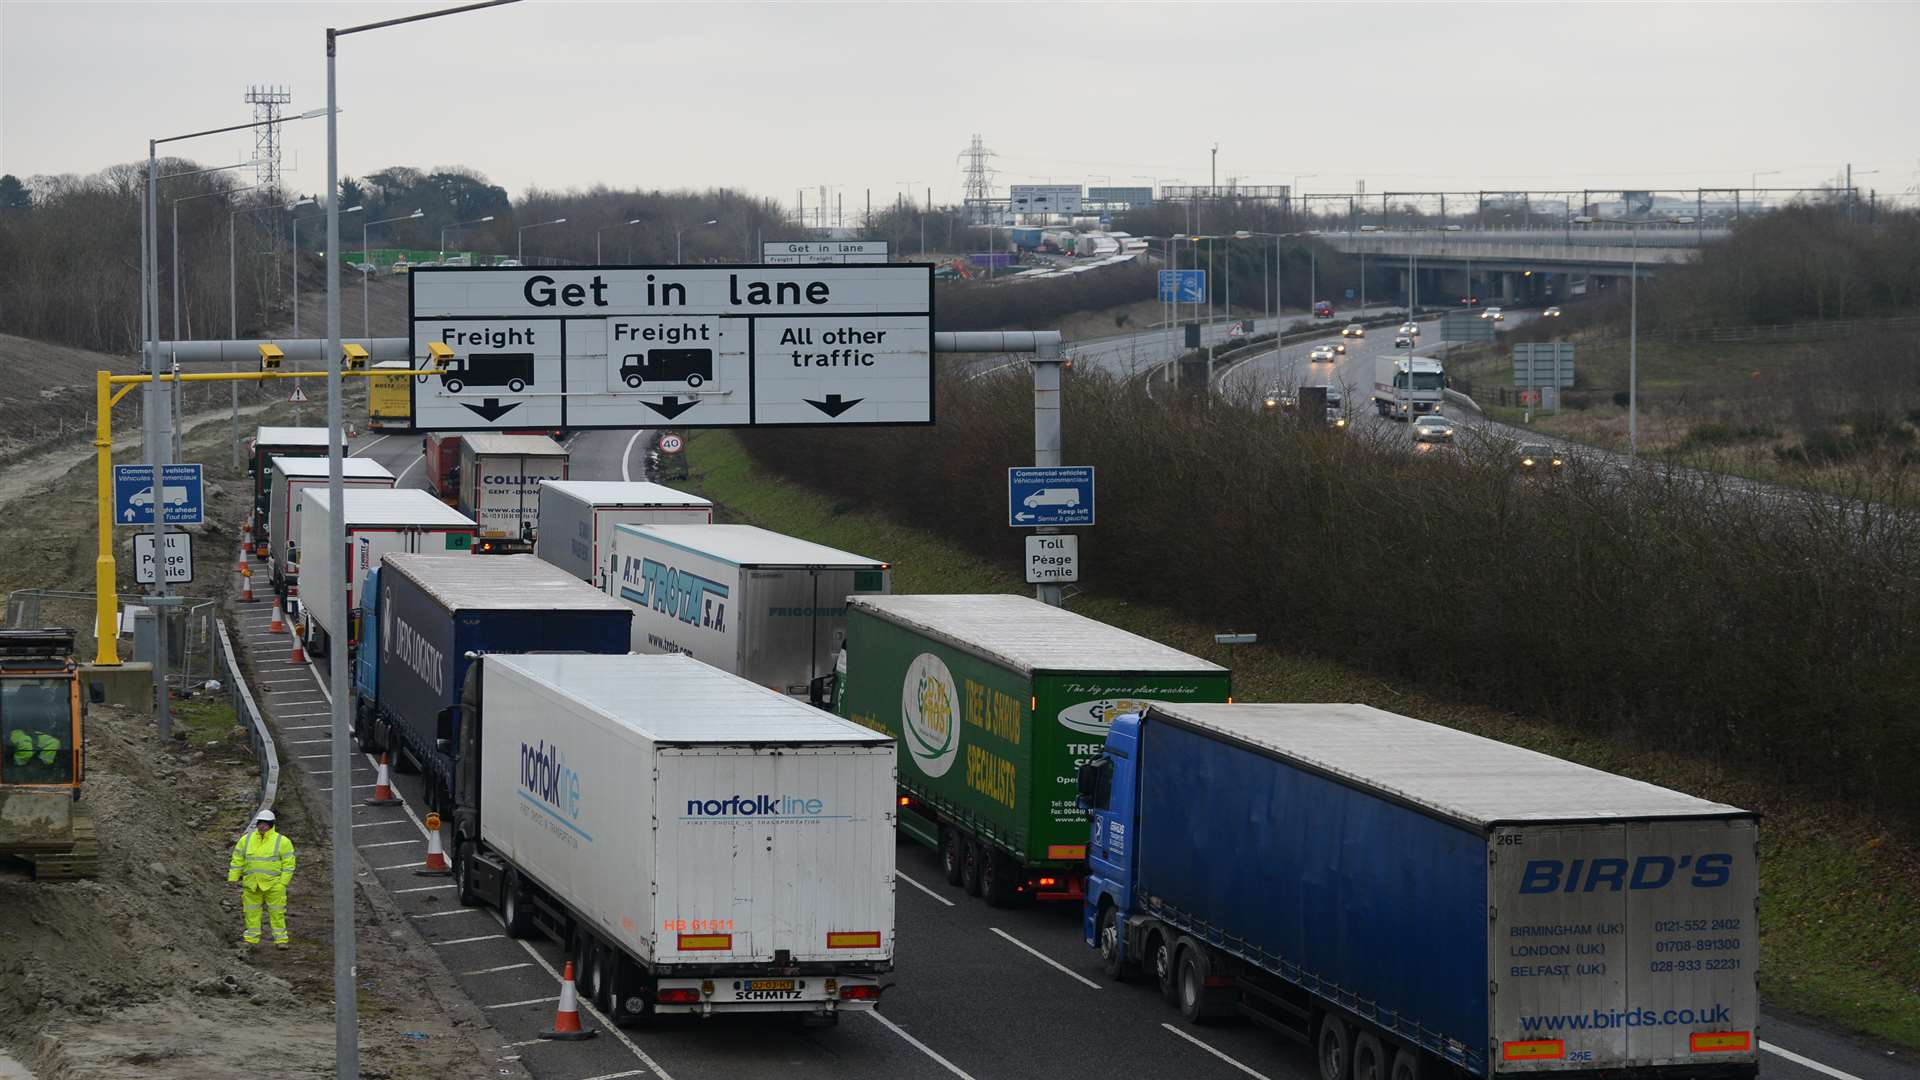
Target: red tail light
[[859, 993], [688, 996]]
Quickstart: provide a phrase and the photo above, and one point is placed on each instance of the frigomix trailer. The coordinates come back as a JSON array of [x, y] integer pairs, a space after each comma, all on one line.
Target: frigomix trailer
[[995, 700], [291, 476], [577, 518], [697, 843], [769, 608], [437, 612], [1416, 900]]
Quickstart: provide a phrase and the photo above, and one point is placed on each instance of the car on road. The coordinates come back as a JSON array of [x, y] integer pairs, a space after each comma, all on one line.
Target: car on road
[[1353, 330], [1340, 347], [1321, 353], [1278, 398], [1433, 429], [1411, 329], [1495, 314], [1552, 313], [1539, 457], [1403, 342]]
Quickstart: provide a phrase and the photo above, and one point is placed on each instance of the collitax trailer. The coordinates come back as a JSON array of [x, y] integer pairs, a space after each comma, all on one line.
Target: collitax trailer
[[577, 518], [379, 522], [697, 843], [1416, 900], [291, 476], [500, 479], [995, 701], [769, 608]]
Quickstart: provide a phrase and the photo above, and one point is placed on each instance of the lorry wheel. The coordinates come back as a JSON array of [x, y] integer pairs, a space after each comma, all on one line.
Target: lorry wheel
[[1369, 1057], [463, 876], [1406, 1064], [600, 976], [1196, 1003], [951, 856], [513, 907], [997, 876], [1161, 954], [970, 856], [1332, 1048], [1107, 930]]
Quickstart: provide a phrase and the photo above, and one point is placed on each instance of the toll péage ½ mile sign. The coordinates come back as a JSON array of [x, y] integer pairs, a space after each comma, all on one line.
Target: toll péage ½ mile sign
[[707, 346]]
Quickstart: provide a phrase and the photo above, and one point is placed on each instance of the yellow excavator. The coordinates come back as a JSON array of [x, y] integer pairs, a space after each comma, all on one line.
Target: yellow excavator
[[42, 758]]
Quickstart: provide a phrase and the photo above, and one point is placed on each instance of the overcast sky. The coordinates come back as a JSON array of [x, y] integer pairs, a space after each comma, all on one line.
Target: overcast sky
[[771, 97]]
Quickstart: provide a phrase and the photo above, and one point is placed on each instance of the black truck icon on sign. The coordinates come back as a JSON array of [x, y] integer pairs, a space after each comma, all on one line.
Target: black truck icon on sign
[[513, 370], [691, 366]]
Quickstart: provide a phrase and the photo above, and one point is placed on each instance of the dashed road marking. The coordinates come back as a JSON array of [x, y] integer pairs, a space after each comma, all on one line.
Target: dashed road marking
[[1048, 960]]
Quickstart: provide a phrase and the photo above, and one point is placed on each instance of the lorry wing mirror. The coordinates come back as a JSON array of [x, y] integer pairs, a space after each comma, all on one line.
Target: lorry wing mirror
[[1093, 785], [443, 729]]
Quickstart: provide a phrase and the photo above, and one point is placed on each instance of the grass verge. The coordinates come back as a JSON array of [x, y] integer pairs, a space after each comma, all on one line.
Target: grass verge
[[1840, 913]]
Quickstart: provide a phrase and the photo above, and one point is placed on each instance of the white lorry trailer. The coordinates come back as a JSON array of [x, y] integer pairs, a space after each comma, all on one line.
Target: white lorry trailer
[[698, 844], [500, 479], [769, 608], [1406, 387], [577, 517], [378, 522], [291, 476]]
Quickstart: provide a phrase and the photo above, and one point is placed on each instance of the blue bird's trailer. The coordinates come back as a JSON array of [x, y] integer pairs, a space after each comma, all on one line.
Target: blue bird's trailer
[[1415, 901]]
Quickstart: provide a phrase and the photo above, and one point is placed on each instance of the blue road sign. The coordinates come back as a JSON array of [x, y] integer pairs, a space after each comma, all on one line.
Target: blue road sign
[[180, 495], [1061, 495], [1183, 286], [1349, 294]]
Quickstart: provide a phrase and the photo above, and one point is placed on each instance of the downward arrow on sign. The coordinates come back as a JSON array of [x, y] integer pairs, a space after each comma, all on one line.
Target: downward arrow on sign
[[491, 409], [833, 406], [671, 407]]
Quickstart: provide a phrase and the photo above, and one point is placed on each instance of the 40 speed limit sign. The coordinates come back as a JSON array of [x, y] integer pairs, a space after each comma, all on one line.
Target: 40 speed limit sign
[[670, 443]]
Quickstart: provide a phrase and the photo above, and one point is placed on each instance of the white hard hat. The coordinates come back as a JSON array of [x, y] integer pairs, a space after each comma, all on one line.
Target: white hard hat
[[264, 815]]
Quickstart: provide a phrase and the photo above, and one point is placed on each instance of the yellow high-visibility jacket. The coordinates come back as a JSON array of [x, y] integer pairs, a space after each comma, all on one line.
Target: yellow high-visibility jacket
[[263, 859]]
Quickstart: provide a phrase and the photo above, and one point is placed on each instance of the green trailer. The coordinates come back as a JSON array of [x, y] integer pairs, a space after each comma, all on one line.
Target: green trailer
[[995, 702]]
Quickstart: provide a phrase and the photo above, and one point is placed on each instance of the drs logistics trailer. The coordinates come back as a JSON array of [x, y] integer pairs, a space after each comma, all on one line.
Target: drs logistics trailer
[[500, 479], [1416, 900], [378, 523], [577, 517], [434, 613], [698, 844], [269, 443], [769, 608], [291, 476], [995, 702]]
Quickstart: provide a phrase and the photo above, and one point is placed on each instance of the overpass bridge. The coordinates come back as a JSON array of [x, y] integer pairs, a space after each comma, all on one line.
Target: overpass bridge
[[1509, 264]]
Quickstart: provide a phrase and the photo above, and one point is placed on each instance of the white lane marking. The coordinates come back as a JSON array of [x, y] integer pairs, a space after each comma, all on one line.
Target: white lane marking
[[423, 888], [313, 757], [370, 445], [1806, 1062], [388, 843], [918, 1045], [588, 1006], [300, 716], [490, 971], [401, 479], [308, 742], [1215, 1053], [619, 1075], [377, 824], [517, 1004], [518, 1045], [465, 940], [455, 911], [627, 455], [414, 865], [923, 888], [1048, 960], [308, 727], [356, 787]]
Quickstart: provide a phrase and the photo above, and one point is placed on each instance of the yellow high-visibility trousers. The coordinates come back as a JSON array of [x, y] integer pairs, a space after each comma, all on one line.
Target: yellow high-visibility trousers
[[273, 898]]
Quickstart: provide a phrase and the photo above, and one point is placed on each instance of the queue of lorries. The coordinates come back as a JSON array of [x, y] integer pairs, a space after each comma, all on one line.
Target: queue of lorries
[[685, 751]]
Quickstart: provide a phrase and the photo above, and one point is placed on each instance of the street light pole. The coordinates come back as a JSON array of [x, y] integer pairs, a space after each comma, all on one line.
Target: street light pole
[[445, 229], [1633, 352], [346, 1038], [366, 267], [602, 229], [678, 230], [520, 237]]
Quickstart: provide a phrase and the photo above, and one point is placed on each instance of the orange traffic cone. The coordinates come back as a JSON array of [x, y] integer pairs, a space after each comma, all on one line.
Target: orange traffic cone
[[383, 788], [279, 623], [436, 857], [243, 556], [246, 584], [566, 1019], [299, 653]]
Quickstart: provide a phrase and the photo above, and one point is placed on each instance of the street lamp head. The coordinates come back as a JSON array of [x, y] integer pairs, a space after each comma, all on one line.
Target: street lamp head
[[559, 221], [489, 217], [415, 214], [635, 221], [312, 113], [354, 209], [298, 205], [1241, 234], [714, 221]]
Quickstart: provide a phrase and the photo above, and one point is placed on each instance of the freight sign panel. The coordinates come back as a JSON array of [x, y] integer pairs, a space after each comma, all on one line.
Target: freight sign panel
[[822, 252], [1044, 198], [712, 346]]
